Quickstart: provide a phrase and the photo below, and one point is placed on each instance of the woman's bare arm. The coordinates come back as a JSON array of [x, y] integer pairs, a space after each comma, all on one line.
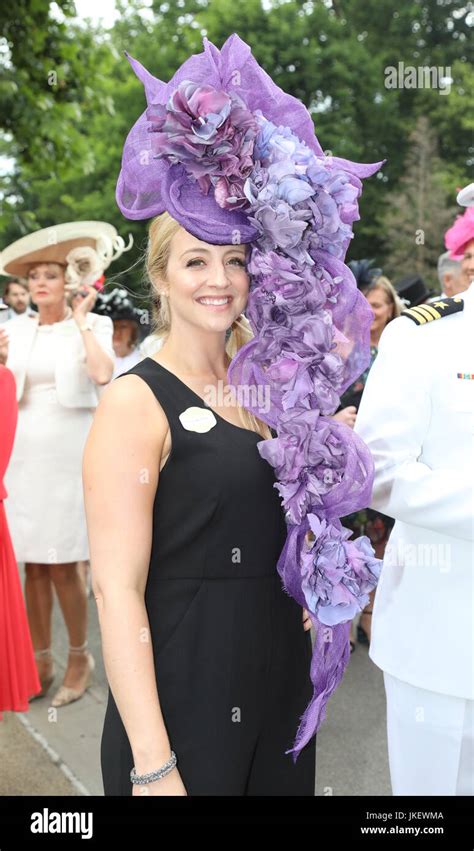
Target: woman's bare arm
[[120, 476]]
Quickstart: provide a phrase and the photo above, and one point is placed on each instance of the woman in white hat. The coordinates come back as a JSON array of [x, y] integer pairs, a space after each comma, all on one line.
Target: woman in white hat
[[60, 357]]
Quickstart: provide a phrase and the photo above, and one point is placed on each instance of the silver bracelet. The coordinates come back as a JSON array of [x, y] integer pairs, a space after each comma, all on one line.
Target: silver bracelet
[[165, 769]]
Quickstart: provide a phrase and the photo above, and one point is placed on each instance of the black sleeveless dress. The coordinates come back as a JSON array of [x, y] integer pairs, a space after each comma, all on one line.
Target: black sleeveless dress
[[232, 659]]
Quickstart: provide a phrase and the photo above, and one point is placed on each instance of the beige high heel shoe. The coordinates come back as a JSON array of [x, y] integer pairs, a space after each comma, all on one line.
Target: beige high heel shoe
[[65, 694], [46, 682]]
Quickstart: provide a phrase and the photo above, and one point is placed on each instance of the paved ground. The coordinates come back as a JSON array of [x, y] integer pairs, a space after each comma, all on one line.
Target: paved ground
[[56, 752]]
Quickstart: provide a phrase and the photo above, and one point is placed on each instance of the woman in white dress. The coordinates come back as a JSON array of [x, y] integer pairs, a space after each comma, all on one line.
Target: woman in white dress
[[60, 357]]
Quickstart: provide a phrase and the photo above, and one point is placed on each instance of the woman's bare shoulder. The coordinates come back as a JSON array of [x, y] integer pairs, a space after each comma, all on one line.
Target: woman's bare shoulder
[[128, 401]]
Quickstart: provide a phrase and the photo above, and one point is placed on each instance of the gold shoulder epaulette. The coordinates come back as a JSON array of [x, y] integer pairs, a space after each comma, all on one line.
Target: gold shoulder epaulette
[[435, 310]]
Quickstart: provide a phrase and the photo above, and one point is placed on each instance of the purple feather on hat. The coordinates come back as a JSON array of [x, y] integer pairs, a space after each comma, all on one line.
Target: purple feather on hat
[[235, 159]]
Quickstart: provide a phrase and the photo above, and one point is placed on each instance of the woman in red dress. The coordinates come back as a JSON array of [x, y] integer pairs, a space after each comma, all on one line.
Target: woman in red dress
[[18, 674]]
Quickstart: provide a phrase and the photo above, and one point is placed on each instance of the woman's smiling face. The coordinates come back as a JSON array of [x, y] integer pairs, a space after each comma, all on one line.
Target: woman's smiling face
[[383, 310], [207, 285]]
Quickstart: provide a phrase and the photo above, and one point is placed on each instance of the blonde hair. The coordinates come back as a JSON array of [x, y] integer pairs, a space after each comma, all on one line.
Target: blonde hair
[[383, 283], [161, 231]]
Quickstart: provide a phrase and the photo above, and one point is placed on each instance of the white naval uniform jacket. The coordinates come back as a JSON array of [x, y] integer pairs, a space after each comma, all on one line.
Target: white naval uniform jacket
[[417, 418], [73, 386]]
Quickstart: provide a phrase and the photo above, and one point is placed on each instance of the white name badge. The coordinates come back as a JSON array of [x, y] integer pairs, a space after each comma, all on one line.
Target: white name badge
[[197, 419]]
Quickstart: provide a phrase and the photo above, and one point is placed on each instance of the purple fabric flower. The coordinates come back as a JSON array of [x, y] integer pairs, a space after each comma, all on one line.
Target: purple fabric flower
[[338, 574], [279, 226], [211, 133], [310, 457]]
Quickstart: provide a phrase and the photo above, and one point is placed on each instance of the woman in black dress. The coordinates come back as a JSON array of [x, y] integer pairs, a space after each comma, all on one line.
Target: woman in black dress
[[205, 638], [206, 654]]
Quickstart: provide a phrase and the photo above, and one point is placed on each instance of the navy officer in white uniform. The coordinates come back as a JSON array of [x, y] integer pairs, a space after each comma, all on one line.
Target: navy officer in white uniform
[[417, 418]]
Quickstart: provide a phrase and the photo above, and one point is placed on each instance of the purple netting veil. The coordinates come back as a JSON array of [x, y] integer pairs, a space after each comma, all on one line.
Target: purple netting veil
[[234, 159]]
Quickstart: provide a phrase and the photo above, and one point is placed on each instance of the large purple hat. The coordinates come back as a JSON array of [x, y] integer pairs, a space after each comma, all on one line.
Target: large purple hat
[[234, 159], [195, 144]]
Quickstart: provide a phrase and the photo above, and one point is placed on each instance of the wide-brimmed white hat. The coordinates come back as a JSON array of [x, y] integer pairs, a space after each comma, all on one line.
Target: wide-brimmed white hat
[[54, 244]]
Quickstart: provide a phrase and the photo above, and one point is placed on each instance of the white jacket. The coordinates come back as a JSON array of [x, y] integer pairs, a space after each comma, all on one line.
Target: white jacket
[[74, 387], [417, 418]]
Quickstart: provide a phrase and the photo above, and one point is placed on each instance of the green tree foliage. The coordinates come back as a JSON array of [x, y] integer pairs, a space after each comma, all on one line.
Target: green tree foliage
[[416, 213], [66, 141], [48, 83]]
